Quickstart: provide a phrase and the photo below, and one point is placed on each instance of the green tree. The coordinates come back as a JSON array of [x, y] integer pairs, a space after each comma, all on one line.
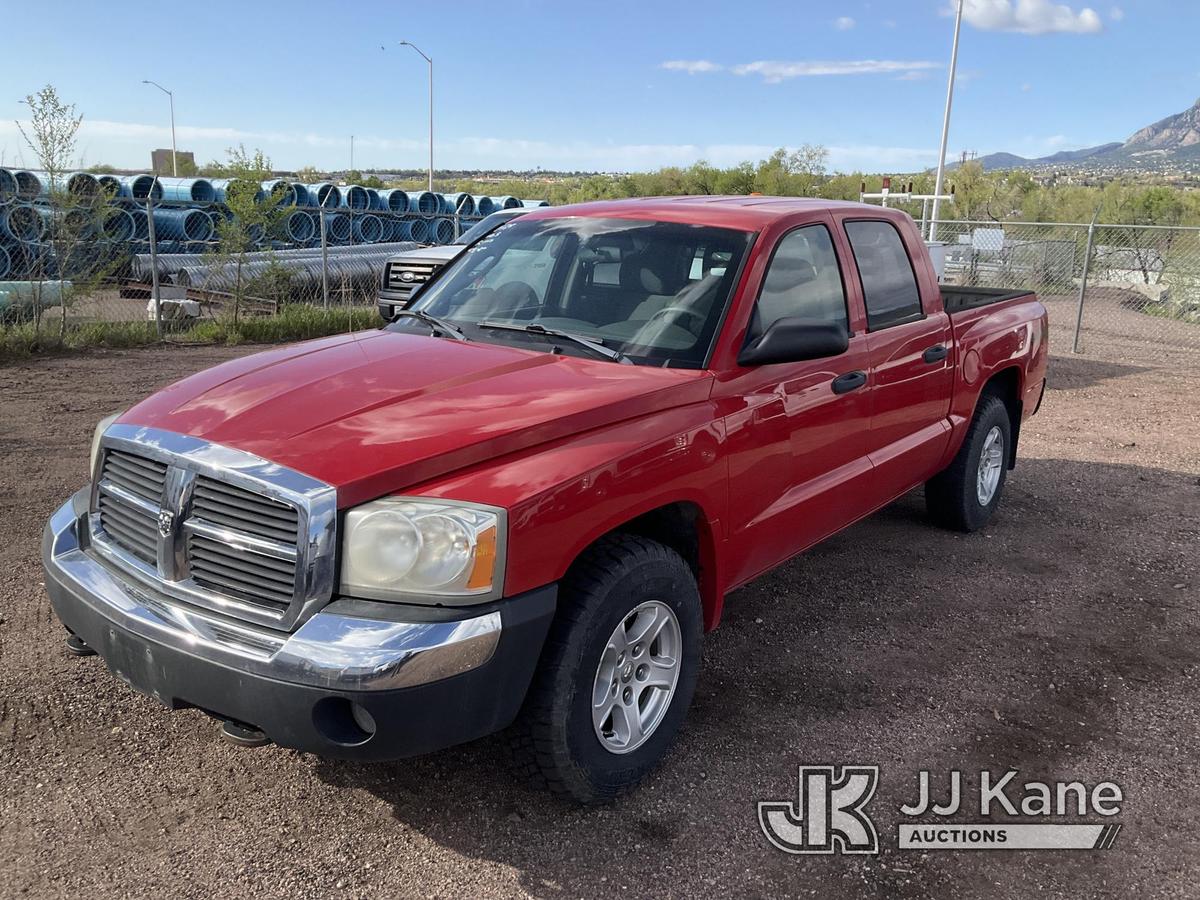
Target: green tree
[[254, 215], [75, 218]]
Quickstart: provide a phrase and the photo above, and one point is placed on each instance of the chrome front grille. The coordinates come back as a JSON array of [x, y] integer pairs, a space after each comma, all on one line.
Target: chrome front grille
[[244, 511], [214, 527], [128, 508], [405, 277]]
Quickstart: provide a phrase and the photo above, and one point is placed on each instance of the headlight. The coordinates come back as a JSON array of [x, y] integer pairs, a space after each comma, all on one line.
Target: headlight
[[399, 548], [99, 432]]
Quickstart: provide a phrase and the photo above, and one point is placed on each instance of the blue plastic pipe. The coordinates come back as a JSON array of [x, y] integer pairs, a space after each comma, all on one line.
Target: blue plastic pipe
[[376, 200], [284, 190], [484, 206], [118, 225], [395, 200], [443, 231], [324, 194], [368, 229], [337, 226], [355, 197], [187, 190], [301, 194], [137, 187], [418, 230], [400, 230], [506, 202], [8, 187], [21, 223], [222, 186], [298, 227], [29, 186], [141, 229], [533, 204], [183, 224], [424, 202]]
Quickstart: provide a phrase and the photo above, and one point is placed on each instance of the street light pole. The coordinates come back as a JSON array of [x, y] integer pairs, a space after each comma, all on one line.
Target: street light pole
[[430, 61], [941, 170], [171, 98]]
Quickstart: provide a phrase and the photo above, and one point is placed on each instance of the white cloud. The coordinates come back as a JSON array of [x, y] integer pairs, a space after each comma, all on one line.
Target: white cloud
[[1031, 17], [844, 23], [1026, 87], [914, 75], [1116, 14], [774, 72], [691, 66]]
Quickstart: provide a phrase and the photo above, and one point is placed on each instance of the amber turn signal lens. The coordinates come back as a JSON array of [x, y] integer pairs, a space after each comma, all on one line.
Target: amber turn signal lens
[[485, 560]]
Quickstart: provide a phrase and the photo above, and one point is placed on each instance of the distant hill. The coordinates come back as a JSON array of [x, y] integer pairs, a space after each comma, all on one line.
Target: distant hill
[[1173, 141]]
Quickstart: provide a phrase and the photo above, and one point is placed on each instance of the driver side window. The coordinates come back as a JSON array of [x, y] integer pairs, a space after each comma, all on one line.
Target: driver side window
[[802, 280]]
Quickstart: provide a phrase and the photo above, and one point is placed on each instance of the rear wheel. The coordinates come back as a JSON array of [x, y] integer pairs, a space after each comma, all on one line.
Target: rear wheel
[[967, 492], [618, 671]]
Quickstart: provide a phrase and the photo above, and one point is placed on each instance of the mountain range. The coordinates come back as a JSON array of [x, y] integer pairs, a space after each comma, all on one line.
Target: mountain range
[[1173, 142]]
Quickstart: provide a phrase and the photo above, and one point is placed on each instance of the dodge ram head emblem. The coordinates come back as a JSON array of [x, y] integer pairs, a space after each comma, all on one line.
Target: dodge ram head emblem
[[166, 522], [407, 276]]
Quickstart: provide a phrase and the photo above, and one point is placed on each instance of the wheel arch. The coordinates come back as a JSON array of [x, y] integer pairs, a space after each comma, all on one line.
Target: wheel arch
[[1006, 386], [684, 527]]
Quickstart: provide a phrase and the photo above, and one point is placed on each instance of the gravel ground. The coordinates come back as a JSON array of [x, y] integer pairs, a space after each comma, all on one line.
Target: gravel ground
[[1061, 641]]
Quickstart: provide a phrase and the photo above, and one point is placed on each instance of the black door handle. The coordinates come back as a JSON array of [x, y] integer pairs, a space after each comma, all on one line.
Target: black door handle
[[935, 354], [844, 384]]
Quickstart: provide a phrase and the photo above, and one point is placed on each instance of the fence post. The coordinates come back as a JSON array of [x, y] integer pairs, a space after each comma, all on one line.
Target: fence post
[[324, 257], [1087, 262], [150, 235]]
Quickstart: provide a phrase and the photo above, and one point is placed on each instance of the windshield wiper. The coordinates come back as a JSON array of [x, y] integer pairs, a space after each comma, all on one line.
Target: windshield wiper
[[587, 343], [447, 328]]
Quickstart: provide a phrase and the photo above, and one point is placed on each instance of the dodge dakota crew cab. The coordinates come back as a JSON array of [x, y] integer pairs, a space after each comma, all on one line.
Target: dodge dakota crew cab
[[520, 505]]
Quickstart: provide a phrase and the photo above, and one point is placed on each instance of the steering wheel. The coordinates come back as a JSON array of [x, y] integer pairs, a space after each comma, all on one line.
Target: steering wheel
[[673, 312]]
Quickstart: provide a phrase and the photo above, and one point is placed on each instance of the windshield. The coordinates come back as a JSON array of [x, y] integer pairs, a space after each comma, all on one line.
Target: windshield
[[485, 226], [653, 291]]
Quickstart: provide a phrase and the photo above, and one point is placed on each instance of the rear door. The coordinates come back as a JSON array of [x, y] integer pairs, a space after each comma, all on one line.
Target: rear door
[[910, 343], [798, 466]]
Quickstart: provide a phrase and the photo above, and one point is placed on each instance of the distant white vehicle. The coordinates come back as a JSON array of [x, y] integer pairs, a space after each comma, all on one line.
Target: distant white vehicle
[[405, 273]]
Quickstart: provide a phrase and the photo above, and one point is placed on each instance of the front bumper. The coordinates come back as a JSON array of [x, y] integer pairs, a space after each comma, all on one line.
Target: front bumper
[[360, 679]]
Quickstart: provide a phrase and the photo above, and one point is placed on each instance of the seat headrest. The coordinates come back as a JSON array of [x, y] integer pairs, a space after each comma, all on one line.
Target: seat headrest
[[644, 273]]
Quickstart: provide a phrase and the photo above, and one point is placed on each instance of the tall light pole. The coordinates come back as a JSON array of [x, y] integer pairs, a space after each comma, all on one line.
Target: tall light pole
[[941, 170], [430, 61], [171, 97]]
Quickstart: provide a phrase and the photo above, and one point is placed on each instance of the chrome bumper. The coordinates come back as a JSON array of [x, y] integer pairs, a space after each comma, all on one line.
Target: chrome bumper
[[331, 650]]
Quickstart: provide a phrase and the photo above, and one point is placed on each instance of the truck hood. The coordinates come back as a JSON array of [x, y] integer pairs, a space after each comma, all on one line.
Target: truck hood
[[378, 412]]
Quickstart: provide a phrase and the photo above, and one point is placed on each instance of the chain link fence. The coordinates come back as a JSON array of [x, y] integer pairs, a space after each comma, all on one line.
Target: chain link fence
[[1127, 293], [79, 250]]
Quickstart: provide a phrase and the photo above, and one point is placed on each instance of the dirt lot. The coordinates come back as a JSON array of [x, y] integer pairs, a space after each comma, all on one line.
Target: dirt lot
[[1062, 642]]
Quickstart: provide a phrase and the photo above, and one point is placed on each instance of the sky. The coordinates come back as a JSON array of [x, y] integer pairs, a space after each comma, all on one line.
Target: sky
[[619, 86]]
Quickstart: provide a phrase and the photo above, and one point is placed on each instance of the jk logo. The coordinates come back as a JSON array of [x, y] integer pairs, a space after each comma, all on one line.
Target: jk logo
[[829, 816]]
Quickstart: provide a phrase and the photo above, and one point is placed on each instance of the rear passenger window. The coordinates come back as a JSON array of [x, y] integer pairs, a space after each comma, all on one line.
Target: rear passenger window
[[889, 285], [802, 280]]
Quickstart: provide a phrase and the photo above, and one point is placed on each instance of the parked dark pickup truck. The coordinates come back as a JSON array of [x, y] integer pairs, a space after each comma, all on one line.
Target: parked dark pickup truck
[[406, 273], [523, 503]]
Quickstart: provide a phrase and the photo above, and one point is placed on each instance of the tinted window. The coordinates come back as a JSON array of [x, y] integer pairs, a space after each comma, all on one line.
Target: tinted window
[[802, 280], [889, 285], [485, 226]]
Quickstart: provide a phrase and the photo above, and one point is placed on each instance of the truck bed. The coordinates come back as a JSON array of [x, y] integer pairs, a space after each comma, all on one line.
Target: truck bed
[[956, 298]]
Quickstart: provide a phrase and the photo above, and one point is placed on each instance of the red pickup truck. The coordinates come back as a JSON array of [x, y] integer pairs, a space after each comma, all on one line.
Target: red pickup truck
[[522, 504]]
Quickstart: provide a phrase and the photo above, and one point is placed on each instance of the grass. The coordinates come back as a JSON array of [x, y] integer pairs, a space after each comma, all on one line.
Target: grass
[[292, 323]]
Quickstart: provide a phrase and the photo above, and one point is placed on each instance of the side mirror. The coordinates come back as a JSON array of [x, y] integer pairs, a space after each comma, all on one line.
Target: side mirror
[[794, 339]]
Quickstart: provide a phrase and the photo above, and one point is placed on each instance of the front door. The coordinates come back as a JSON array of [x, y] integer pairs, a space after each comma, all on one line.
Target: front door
[[798, 463]]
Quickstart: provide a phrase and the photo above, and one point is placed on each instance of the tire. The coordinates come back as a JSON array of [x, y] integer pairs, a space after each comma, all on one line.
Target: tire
[[953, 496], [628, 581]]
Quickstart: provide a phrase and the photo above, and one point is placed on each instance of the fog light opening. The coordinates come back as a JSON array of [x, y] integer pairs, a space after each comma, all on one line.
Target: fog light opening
[[343, 721]]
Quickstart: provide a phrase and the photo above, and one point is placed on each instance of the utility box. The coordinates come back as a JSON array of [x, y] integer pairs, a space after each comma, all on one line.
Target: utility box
[[937, 255]]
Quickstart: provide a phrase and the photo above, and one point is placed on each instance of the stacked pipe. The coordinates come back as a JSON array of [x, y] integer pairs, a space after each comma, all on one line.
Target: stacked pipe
[[109, 214]]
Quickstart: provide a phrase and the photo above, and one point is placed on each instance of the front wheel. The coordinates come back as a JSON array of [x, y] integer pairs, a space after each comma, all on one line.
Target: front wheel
[[967, 492], [618, 671]]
